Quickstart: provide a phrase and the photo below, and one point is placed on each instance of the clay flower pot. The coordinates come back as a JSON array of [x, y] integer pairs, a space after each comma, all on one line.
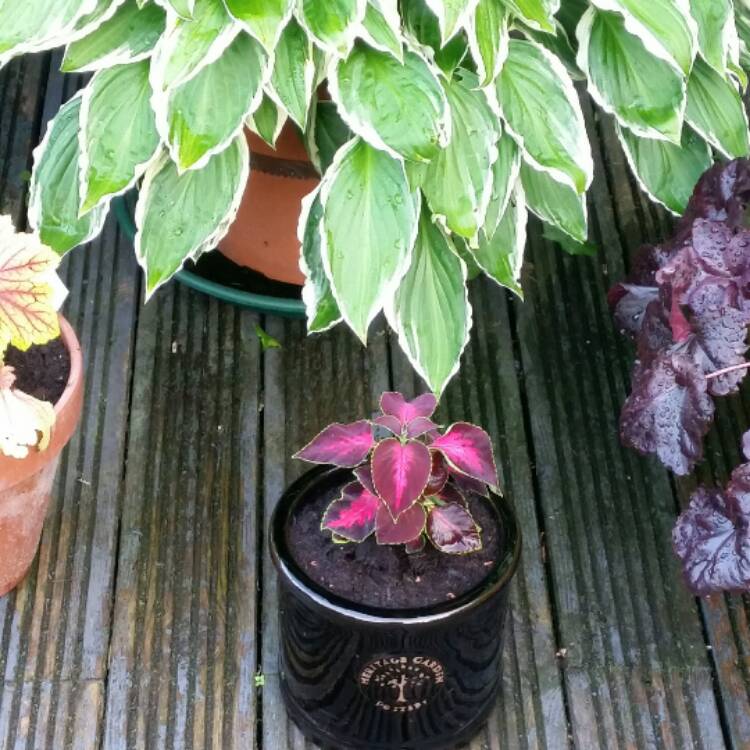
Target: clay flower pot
[[360, 678], [26, 484], [264, 234]]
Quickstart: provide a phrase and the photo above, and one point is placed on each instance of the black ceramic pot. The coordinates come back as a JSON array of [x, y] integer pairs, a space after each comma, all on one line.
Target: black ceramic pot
[[362, 678]]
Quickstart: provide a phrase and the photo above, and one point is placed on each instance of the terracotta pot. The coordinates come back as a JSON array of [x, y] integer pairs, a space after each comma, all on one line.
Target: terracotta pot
[[26, 484], [264, 234]]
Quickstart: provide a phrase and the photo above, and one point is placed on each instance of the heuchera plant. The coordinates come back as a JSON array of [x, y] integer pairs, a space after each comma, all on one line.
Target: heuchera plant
[[687, 305], [410, 485], [30, 295]]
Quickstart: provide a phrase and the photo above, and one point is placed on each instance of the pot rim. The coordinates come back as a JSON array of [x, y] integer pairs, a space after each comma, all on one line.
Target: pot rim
[[496, 579]]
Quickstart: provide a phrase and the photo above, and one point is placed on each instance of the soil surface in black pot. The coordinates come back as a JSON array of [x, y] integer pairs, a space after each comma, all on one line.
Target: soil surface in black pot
[[42, 371], [385, 576]]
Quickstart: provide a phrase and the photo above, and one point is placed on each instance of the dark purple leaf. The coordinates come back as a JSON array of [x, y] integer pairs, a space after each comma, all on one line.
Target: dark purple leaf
[[722, 194], [339, 444], [400, 472], [407, 528], [352, 516], [419, 426], [451, 494], [746, 445], [469, 486], [668, 412], [364, 475], [629, 302], [468, 449], [452, 529], [394, 404], [438, 474], [416, 545]]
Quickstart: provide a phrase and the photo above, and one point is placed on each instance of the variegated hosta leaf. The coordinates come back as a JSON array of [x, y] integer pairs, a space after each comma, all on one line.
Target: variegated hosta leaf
[[293, 78], [716, 111], [35, 25], [717, 36], [30, 291], [267, 120], [501, 255], [555, 202], [542, 111], [128, 36], [451, 15], [401, 109], [431, 311], [457, 182], [645, 93], [559, 44], [264, 19], [538, 14], [200, 117], [168, 234], [381, 27], [487, 30], [668, 173], [333, 24], [54, 196], [369, 224], [102, 12], [422, 23], [25, 422], [665, 27], [504, 177], [325, 135], [118, 134], [183, 8], [188, 45], [320, 305]]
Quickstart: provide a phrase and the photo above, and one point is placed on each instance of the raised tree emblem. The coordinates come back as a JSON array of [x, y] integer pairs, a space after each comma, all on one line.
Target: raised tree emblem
[[402, 684]]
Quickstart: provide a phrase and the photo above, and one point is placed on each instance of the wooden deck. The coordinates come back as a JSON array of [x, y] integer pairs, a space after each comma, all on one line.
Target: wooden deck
[[149, 616]]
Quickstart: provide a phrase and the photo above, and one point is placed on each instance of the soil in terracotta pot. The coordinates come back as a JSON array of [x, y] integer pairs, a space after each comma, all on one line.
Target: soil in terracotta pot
[[42, 371], [386, 576]]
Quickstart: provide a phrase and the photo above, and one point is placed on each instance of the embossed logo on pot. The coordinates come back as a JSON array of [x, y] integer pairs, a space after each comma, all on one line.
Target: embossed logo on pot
[[402, 684]]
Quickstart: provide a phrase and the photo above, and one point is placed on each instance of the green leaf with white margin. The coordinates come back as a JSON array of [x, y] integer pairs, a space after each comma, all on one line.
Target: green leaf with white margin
[[199, 118], [487, 30], [333, 24], [264, 19], [189, 45], [381, 27], [422, 24], [458, 181], [118, 135], [54, 192], [715, 110], [293, 79], [541, 110], [668, 173], [717, 35], [267, 120], [555, 202], [431, 311], [501, 255], [102, 12], [369, 224], [644, 93], [35, 25], [558, 44], [181, 216], [504, 176], [452, 15], [326, 135], [665, 27], [539, 14], [320, 304], [398, 108], [130, 35]]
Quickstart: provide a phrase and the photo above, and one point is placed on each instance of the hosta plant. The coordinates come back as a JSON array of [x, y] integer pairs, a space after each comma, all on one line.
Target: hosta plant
[[441, 124], [30, 295], [410, 479]]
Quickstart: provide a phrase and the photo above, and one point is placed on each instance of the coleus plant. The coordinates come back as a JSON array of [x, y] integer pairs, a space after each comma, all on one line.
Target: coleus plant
[[687, 305], [411, 480], [30, 296], [448, 121]]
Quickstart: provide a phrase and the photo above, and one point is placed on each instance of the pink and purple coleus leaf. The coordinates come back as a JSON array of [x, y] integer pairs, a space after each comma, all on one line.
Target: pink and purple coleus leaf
[[438, 474], [345, 445], [406, 529], [468, 449], [452, 529], [394, 404], [352, 516], [400, 472]]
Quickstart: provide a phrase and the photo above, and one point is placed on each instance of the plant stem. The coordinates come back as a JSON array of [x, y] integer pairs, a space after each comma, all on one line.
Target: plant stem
[[727, 370]]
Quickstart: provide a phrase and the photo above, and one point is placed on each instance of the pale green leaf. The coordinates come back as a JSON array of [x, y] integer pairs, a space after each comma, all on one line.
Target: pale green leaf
[[488, 35], [200, 117], [103, 11], [665, 27], [537, 13], [266, 340], [369, 223], [431, 311], [54, 192], [381, 27], [128, 36], [293, 78], [118, 134], [668, 173], [504, 177], [183, 8], [181, 216], [555, 202], [423, 24], [645, 93], [716, 111], [451, 15], [320, 304], [558, 44], [329, 133], [264, 19], [267, 120], [542, 111], [457, 182], [333, 24], [398, 108], [716, 31]]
